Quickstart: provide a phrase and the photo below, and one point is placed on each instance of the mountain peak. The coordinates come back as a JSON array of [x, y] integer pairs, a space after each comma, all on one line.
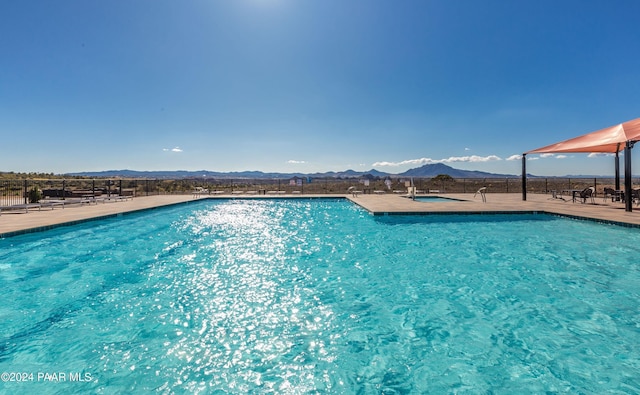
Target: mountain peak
[[435, 169]]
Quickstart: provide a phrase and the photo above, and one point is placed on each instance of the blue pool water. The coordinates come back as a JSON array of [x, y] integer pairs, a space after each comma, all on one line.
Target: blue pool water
[[318, 296], [435, 199]]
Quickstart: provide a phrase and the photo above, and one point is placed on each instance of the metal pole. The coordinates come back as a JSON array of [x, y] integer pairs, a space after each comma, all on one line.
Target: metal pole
[[627, 176], [617, 167], [524, 176]]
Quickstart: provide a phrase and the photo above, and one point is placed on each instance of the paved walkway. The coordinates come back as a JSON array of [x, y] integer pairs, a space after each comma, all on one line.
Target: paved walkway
[[19, 220], [376, 204]]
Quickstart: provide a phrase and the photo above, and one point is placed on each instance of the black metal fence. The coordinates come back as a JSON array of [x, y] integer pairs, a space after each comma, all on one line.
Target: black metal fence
[[14, 192], [371, 185], [23, 191]]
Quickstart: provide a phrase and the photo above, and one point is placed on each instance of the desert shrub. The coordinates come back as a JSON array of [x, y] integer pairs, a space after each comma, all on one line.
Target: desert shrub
[[34, 195]]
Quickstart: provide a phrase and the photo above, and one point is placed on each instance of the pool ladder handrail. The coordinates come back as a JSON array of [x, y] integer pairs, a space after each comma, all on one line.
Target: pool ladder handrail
[[482, 191]]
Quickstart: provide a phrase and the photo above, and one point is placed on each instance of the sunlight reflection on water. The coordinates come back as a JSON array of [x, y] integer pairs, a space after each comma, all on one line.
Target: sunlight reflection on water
[[258, 325]]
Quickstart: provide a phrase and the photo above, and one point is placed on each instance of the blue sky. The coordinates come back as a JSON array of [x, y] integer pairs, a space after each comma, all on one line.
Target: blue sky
[[312, 85]]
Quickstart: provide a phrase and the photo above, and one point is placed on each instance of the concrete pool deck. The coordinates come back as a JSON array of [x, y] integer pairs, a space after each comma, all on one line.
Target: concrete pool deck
[[600, 210], [12, 223]]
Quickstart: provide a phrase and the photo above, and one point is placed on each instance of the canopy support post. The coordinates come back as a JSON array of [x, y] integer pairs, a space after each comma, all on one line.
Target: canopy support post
[[617, 167], [627, 177], [524, 176]]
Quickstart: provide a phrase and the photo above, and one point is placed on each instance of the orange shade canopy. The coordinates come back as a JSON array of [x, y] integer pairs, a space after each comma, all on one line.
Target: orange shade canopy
[[611, 139]]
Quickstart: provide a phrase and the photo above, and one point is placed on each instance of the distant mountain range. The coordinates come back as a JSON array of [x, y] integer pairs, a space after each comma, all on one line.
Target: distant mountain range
[[427, 171]]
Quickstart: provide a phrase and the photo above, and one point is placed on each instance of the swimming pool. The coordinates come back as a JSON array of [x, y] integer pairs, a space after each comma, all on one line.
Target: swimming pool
[[318, 296]]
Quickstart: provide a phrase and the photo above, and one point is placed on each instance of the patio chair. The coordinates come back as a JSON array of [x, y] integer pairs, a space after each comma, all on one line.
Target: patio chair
[[20, 207], [609, 193], [587, 193], [353, 191], [635, 196], [199, 191]]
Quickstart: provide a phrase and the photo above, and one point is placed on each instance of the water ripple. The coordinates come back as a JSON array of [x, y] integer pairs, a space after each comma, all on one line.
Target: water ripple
[[319, 297]]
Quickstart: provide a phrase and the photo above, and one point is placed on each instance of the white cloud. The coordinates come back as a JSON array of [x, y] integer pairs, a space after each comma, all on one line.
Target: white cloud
[[421, 161], [175, 149], [451, 159], [546, 155], [296, 162], [514, 157], [472, 158]]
